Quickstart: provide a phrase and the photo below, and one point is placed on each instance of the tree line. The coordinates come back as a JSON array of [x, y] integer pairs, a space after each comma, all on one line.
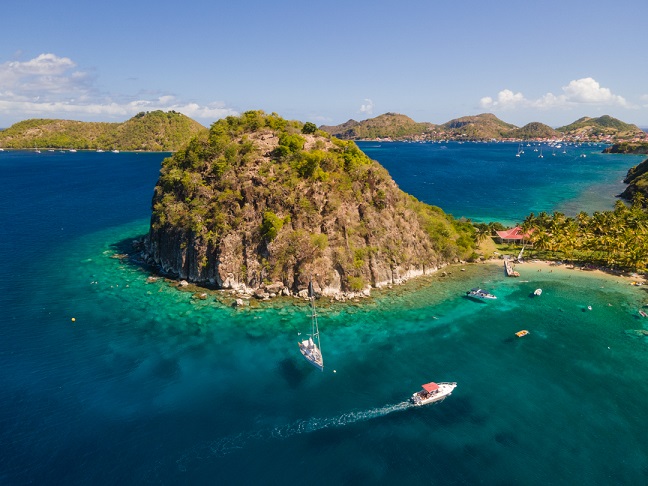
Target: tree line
[[617, 239]]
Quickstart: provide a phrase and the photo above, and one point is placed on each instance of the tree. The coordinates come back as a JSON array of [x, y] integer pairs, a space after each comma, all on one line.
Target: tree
[[309, 128]]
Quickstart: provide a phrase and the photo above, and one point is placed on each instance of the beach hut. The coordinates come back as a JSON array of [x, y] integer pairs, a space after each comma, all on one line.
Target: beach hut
[[515, 236]]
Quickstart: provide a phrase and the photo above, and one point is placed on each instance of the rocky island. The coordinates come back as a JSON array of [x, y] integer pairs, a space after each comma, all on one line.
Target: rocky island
[[262, 204]]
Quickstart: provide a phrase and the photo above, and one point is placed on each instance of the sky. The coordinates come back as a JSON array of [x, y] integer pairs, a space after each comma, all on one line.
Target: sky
[[325, 62]]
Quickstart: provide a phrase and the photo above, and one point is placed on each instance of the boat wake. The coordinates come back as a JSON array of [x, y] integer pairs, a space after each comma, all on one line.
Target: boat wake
[[227, 445]]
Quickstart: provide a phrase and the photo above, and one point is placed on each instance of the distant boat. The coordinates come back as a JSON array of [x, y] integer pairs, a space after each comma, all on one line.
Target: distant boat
[[541, 156], [433, 392], [37, 151], [115, 151], [72, 150], [99, 150], [537, 292], [310, 348], [522, 333], [480, 294]]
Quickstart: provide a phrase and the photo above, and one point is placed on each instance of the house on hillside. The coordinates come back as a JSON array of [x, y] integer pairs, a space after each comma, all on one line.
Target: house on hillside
[[515, 236]]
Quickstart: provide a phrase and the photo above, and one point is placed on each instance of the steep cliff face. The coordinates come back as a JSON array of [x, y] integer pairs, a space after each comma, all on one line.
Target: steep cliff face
[[637, 180], [260, 203]]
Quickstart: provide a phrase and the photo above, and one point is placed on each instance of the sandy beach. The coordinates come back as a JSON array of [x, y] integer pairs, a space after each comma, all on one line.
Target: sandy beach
[[528, 268]]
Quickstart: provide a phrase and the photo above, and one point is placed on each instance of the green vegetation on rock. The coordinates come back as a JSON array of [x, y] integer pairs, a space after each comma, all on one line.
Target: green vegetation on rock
[[261, 199]]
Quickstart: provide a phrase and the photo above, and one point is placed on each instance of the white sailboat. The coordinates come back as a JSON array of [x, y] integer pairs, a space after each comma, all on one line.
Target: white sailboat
[[519, 257], [520, 151], [310, 348]]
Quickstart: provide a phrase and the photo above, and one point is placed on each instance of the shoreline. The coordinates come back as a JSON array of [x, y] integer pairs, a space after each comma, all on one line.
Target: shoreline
[[598, 272], [237, 299]]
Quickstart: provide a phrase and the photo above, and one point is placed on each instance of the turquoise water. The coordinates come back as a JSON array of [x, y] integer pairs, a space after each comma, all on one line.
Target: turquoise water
[[150, 384]]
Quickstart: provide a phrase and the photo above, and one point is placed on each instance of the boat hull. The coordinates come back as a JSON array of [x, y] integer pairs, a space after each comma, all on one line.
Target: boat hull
[[312, 354], [444, 391]]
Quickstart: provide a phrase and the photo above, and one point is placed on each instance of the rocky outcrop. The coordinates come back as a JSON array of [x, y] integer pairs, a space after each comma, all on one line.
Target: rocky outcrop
[[261, 207], [637, 180], [627, 148]]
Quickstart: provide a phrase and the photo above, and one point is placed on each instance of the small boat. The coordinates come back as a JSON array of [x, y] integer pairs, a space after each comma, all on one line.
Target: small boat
[[537, 292], [522, 333], [643, 314], [310, 348], [480, 294], [433, 392]]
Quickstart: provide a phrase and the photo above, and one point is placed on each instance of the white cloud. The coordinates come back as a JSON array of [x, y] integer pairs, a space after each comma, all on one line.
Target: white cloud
[[506, 99], [51, 86], [367, 107], [588, 90], [584, 91]]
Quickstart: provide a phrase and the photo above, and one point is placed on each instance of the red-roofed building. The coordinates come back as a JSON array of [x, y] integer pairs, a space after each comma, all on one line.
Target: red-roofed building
[[514, 235]]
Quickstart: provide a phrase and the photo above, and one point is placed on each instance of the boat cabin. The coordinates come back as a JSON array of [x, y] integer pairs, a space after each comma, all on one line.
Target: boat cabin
[[429, 389]]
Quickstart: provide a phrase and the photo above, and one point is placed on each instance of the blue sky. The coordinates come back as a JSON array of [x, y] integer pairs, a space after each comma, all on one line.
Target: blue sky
[[325, 62]]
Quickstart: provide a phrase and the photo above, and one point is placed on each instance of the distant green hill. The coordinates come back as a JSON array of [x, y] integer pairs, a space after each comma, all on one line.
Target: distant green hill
[[150, 131], [601, 126], [395, 126], [533, 130], [481, 127], [389, 125]]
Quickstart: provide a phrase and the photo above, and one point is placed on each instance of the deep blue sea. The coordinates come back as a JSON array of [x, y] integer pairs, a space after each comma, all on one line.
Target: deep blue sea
[[487, 182], [108, 378]]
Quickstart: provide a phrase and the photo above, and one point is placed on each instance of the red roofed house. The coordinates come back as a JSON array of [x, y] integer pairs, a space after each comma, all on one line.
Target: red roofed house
[[514, 235]]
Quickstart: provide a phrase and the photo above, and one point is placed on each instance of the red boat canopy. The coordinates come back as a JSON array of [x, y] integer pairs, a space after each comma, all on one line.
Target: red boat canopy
[[430, 387]]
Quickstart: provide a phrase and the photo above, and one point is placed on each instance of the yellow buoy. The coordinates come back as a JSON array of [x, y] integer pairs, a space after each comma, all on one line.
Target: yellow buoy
[[73, 319]]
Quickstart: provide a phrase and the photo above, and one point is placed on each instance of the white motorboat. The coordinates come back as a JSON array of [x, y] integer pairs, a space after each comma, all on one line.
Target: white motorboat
[[433, 392], [537, 292], [480, 294], [310, 348]]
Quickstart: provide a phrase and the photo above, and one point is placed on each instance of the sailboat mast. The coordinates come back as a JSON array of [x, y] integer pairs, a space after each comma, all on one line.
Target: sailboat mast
[[314, 326]]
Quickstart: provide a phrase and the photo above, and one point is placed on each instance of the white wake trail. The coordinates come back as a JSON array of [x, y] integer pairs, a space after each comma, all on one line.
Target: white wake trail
[[226, 445]]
